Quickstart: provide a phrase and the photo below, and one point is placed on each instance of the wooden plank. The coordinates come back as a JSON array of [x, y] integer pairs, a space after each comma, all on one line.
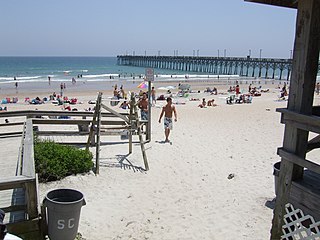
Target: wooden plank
[[94, 119], [11, 124], [305, 122], [98, 135], [303, 126], [32, 200], [28, 166], [124, 118], [23, 227], [61, 133], [10, 134], [278, 3], [20, 155], [115, 128], [75, 121], [113, 133], [305, 195], [299, 160], [302, 84], [31, 113], [130, 121], [14, 182], [143, 150]]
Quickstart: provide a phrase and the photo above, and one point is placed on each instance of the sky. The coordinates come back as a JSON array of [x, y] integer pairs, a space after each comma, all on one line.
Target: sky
[[115, 27]]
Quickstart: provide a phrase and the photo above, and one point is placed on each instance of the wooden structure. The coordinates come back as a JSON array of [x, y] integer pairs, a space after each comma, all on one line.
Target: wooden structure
[[28, 217], [249, 67], [131, 125], [296, 185], [25, 200]]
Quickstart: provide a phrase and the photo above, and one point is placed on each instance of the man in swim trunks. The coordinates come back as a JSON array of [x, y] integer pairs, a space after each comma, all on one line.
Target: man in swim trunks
[[143, 105], [168, 111]]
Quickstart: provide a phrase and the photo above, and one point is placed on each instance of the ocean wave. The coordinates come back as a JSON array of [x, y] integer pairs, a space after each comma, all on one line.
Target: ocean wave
[[19, 78], [101, 75], [101, 80]]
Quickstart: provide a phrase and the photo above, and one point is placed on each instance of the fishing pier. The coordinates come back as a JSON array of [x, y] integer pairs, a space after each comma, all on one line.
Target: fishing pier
[[249, 67]]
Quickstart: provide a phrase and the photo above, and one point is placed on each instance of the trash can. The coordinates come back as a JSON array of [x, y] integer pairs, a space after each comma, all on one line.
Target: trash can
[[276, 172], [63, 213]]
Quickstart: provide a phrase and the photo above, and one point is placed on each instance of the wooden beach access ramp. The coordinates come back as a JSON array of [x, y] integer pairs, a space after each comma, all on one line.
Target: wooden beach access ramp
[[18, 182]]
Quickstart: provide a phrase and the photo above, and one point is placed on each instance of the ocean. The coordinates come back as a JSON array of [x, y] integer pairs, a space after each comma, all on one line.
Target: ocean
[[37, 69], [63, 69]]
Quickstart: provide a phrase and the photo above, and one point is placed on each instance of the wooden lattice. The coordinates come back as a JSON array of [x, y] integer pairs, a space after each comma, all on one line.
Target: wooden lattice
[[299, 226]]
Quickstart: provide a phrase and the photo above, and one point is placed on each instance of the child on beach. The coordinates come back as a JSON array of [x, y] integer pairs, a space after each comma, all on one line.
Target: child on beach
[[211, 103], [203, 104], [168, 111]]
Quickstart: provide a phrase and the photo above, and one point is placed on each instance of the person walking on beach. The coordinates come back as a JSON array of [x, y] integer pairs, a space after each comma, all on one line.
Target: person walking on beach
[[168, 110], [318, 88], [153, 96], [61, 89], [143, 105]]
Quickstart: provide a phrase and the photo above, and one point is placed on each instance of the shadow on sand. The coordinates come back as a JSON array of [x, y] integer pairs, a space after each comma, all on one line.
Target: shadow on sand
[[122, 162]]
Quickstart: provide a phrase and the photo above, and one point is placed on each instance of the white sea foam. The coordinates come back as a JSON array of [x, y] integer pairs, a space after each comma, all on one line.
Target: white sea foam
[[101, 80], [28, 78], [19, 78], [100, 75]]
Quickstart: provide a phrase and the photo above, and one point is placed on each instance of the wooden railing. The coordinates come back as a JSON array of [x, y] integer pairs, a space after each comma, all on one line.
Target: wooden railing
[[25, 180]]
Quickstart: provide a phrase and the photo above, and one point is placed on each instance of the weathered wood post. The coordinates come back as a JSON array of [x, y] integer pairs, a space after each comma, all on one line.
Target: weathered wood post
[[150, 79], [303, 78], [132, 103], [98, 133]]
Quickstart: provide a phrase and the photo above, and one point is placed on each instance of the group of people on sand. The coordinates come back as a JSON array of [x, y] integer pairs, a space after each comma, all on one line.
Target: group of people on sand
[[210, 103], [213, 91], [119, 93]]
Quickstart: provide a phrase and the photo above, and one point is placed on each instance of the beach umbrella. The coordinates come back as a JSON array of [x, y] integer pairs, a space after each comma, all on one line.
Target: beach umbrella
[[143, 85]]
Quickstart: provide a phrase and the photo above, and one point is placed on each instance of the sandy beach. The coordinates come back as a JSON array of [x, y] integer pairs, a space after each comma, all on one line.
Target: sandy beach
[[186, 194]]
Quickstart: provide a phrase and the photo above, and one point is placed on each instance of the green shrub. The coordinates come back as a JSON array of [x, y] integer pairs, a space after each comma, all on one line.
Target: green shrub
[[55, 161]]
